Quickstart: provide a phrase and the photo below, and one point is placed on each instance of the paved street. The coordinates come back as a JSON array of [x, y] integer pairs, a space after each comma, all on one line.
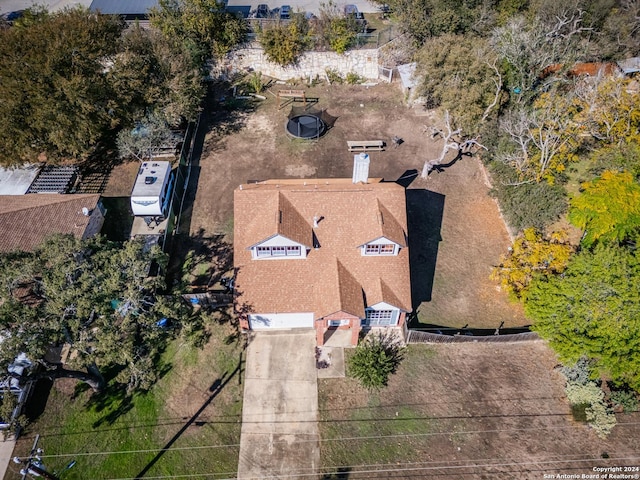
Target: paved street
[[280, 407], [365, 6]]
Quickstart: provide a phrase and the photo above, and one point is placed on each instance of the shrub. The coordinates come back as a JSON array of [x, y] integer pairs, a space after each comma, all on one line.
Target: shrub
[[334, 29], [333, 76], [597, 414], [353, 78], [375, 358], [537, 204], [577, 374], [284, 43], [625, 399]]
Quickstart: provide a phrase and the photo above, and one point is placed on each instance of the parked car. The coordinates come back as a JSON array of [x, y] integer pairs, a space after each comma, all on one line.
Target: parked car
[[16, 384], [352, 10], [263, 11], [285, 12]]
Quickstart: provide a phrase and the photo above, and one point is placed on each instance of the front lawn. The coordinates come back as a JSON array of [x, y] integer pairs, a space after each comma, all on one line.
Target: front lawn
[[193, 412], [467, 410]]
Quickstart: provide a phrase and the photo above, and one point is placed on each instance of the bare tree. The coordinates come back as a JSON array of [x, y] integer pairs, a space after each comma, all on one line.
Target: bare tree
[[498, 83], [539, 135], [453, 140]]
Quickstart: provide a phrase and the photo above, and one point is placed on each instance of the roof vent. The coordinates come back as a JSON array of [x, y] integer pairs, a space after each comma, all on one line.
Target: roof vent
[[149, 180], [85, 211], [315, 221]]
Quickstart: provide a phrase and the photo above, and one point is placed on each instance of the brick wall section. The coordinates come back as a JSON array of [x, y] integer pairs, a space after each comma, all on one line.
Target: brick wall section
[[322, 325], [363, 62]]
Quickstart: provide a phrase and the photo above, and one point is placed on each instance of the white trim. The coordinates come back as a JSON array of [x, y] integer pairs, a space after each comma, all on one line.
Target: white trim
[[381, 317], [280, 321]]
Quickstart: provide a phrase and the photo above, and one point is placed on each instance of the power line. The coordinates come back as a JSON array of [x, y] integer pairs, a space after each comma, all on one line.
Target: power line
[[337, 439], [393, 470]]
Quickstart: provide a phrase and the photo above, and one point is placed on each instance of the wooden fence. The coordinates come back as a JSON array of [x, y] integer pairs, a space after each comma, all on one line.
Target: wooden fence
[[416, 336], [209, 299]]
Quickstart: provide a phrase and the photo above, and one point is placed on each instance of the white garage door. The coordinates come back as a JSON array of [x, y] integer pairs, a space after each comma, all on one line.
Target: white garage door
[[264, 321]]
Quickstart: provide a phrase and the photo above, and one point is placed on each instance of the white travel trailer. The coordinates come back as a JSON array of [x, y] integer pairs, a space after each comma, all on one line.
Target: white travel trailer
[[152, 191]]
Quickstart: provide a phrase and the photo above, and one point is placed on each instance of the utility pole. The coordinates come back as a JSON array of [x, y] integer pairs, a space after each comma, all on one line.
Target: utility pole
[[33, 463]]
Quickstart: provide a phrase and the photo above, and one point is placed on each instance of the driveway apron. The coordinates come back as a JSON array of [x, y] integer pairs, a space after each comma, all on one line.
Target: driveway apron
[[279, 436]]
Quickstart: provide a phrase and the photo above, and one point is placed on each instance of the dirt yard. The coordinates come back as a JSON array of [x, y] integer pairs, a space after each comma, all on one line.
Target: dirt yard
[[466, 411], [456, 234]]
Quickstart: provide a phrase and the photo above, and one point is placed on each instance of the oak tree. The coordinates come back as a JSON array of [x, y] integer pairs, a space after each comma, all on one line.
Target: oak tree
[[593, 310], [97, 298]]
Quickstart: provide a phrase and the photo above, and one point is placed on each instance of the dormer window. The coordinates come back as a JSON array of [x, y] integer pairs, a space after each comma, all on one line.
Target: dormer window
[[278, 251], [382, 249]]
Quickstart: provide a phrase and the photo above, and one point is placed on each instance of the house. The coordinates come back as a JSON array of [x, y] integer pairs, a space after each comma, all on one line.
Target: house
[[16, 181], [130, 10], [26, 220], [322, 253], [592, 69]]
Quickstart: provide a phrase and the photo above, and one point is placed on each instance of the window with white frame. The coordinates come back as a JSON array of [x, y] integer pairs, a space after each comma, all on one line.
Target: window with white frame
[[376, 318], [383, 249], [278, 251]]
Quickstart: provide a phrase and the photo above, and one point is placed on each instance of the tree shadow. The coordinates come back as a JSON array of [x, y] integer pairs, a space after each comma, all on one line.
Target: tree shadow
[[95, 170], [114, 401], [424, 217], [342, 473], [215, 389], [205, 261]]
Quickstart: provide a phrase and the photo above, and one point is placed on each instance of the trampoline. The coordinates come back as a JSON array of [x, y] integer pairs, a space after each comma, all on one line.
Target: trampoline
[[311, 124]]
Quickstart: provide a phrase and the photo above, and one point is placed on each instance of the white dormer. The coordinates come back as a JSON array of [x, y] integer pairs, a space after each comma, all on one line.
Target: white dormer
[[278, 247], [380, 247]]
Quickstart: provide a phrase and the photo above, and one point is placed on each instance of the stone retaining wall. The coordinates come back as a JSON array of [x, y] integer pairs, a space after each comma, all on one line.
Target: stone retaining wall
[[311, 64]]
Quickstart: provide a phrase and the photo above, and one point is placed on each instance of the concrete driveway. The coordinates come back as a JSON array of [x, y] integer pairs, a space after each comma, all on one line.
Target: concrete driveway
[[280, 407]]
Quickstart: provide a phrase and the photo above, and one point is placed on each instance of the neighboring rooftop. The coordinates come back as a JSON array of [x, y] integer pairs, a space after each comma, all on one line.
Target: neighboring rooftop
[[134, 8], [630, 65], [334, 276], [16, 181], [54, 179], [26, 220]]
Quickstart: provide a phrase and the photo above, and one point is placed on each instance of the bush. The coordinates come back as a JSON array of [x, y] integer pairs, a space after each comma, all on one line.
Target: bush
[[591, 397], [375, 358], [334, 30], [333, 76], [625, 399], [528, 204], [578, 373], [284, 43], [354, 79]]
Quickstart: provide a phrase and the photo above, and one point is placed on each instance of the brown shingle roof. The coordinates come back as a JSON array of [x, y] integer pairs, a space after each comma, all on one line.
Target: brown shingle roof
[[334, 276], [26, 220], [291, 224]]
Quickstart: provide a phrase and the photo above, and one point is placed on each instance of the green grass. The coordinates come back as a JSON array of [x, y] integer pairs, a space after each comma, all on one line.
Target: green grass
[[117, 436], [375, 429]]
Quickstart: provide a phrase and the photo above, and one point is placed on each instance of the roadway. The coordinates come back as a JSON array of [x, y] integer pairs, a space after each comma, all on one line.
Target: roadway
[[312, 6]]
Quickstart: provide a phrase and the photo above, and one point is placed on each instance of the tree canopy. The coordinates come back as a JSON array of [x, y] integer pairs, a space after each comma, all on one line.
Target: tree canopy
[[593, 310], [460, 75], [532, 255], [608, 209], [204, 26], [54, 93], [70, 79], [97, 298]]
